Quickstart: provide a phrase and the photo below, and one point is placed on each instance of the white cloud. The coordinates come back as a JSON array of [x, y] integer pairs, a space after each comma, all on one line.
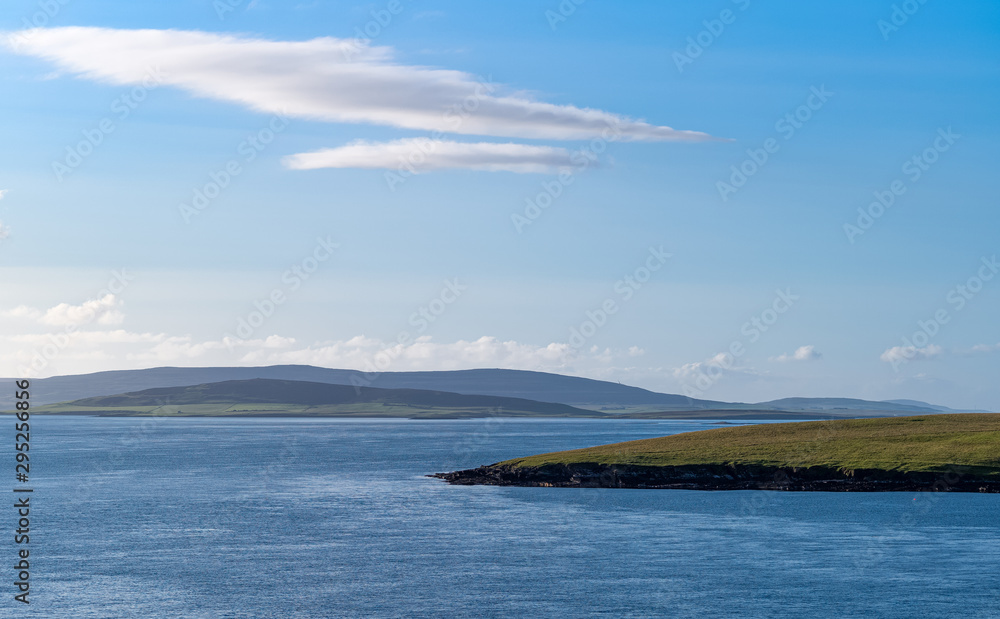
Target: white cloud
[[986, 348], [277, 341], [103, 311], [3, 192], [802, 353], [902, 354], [714, 367], [328, 79], [61, 350], [424, 154], [422, 354], [23, 311], [72, 352]]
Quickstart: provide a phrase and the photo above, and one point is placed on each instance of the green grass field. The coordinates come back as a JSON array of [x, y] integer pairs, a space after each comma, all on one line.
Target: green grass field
[[926, 443]]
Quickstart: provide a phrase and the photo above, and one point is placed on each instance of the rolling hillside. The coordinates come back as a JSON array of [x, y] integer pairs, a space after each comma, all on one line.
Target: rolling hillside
[[282, 397], [540, 386]]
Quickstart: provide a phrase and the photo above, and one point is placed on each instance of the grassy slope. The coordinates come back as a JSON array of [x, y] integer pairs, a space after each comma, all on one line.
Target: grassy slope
[[928, 443]]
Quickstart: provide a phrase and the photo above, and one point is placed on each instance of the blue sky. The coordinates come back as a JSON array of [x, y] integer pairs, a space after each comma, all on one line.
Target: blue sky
[[507, 285]]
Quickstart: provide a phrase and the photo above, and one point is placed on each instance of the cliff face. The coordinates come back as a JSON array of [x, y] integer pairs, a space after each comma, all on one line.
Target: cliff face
[[720, 477]]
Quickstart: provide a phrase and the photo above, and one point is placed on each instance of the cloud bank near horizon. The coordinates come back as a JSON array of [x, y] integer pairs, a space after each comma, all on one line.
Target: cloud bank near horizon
[[73, 351]]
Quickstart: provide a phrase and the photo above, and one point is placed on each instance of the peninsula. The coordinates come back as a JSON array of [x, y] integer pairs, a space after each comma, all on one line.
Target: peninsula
[[949, 452]]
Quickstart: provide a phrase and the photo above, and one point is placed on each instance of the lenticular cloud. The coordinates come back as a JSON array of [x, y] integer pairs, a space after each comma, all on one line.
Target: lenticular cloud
[[327, 79]]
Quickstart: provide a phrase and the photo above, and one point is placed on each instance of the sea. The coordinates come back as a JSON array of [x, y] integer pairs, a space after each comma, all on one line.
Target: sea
[[251, 517]]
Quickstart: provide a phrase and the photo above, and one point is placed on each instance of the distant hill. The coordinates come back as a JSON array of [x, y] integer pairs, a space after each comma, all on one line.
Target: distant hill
[[849, 404], [583, 393], [943, 409], [919, 403], [262, 396], [540, 386]]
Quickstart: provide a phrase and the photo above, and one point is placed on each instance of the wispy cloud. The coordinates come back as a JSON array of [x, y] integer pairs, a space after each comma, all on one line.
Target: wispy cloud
[[422, 154], [986, 347], [719, 365], [899, 354], [802, 353], [328, 79]]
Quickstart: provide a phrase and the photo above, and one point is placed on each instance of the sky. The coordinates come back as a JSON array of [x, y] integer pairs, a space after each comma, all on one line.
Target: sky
[[734, 200]]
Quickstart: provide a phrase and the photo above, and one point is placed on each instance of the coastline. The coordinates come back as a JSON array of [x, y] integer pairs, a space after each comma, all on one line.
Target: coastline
[[720, 477]]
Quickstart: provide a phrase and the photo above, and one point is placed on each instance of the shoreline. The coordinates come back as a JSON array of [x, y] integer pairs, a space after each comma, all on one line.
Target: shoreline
[[446, 416], [720, 477]]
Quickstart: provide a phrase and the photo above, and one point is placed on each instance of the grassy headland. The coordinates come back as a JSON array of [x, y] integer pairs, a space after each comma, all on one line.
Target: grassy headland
[[897, 451]]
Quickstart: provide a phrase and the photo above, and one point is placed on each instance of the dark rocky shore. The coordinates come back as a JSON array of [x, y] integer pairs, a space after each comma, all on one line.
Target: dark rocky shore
[[719, 478]]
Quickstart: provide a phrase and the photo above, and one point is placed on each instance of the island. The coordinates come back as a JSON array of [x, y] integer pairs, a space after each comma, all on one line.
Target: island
[[947, 452], [260, 397]]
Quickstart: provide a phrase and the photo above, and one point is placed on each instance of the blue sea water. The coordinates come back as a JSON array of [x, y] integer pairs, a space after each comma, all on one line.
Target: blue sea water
[[334, 518]]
